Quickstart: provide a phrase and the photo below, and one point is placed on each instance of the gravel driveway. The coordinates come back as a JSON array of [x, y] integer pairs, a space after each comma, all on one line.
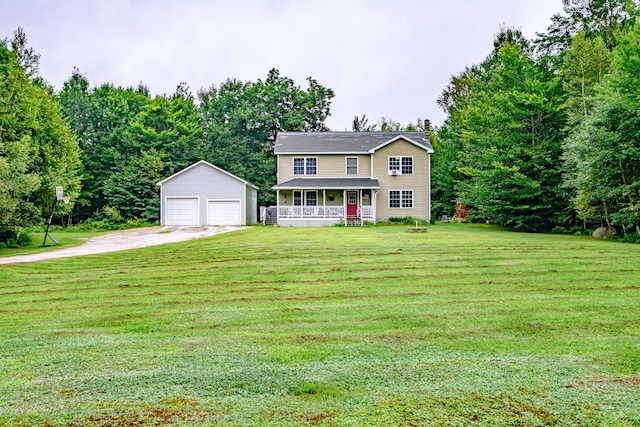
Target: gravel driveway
[[123, 240]]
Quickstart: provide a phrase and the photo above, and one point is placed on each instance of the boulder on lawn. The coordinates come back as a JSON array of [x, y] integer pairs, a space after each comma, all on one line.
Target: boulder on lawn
[[603, 232]]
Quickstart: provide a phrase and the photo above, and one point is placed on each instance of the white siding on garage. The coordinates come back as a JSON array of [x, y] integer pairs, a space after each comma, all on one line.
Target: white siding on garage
[[182, 211], [208, 183], [224, 212]]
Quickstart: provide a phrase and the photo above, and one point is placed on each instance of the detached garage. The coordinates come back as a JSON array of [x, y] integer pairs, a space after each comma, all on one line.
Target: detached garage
[[204, 194]]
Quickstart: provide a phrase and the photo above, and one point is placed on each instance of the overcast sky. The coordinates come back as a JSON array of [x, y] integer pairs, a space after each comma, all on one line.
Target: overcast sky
[[387, 58]]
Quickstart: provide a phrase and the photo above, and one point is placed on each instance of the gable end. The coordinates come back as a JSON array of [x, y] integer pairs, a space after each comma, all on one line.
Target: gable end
[[401, 137]]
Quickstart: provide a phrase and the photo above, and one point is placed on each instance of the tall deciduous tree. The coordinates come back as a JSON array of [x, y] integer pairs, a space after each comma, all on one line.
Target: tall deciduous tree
[[604, 156], [603, 18], [242, 119], [585, 65], [37, 149], [17, 150]]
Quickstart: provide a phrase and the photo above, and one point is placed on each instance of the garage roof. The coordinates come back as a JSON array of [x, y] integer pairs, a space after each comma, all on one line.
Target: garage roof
[[211, 166]]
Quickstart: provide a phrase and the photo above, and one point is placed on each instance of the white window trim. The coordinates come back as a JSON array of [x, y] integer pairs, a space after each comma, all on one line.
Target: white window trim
[[293, 197], [303, 197], [346, 165], [306, 166], [306, 193], [413, 201], [399, 170], [293, 165], [412, 165]]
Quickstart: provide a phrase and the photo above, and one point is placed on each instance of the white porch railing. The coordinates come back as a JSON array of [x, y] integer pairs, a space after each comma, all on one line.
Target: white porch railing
[[310, 211], [367, 212], [320, 212]]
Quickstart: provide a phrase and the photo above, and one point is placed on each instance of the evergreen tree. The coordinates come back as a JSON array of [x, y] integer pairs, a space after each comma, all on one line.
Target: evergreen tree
[[100, 118], [165, 137], [500, 146]]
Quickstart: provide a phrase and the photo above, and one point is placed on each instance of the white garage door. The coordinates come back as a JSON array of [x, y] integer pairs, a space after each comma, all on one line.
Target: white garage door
[[224, 212], [182, 211]]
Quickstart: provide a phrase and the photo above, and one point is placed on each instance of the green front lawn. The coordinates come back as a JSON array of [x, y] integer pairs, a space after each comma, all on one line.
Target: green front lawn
[[67, 237], [463, 325]]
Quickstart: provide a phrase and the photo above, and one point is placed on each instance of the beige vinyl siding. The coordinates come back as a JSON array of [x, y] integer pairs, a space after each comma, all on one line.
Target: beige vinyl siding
[[418, 182], [329, 166], [286, 197]]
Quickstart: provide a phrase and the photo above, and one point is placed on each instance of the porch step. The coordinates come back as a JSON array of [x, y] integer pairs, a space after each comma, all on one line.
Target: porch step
[[354, 222]]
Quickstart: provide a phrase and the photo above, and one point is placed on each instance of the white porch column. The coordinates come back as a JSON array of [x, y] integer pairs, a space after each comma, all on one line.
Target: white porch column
[[429, 189], [360, 205], [374, 205], [344, 205], [324, 203]]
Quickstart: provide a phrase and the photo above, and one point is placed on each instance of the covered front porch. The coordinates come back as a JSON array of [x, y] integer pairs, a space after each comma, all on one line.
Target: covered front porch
[[316, 202]]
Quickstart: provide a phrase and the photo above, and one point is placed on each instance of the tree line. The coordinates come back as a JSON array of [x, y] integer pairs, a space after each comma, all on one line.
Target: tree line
[[108, 146], [130, 140], [544, 134]]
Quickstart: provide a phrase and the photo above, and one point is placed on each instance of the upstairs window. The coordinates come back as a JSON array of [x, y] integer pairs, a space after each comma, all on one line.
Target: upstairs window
[[305, 166], [352, 166], [401, 165], [394, 165], [407, 166]]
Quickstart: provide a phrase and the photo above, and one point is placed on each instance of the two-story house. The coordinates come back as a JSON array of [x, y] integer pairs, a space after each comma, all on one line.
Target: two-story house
[[326, 178]]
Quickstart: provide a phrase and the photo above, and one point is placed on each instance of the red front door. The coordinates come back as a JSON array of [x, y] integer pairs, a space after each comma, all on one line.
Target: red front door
[[352, 203]]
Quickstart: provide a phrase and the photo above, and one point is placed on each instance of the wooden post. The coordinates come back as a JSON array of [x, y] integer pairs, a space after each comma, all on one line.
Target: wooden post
[[44, 242]]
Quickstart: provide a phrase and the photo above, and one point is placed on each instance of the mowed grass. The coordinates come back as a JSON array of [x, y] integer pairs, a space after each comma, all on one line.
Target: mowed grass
[[463, 325], [67, 238]]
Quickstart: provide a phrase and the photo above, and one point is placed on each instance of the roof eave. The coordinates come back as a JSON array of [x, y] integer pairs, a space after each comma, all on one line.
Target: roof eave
[[317, 153], [341, 187], [159, 184], [406, 138]]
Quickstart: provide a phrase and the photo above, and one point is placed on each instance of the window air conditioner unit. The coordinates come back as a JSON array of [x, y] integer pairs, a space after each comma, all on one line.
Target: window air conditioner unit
[[395, 172]]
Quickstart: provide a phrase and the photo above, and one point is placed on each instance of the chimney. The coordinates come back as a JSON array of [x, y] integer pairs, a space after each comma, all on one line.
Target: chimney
[[427, 130]]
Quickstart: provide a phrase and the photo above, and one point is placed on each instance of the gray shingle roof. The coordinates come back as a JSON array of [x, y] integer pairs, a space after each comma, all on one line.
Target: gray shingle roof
[[327, 183], [341, 142]]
